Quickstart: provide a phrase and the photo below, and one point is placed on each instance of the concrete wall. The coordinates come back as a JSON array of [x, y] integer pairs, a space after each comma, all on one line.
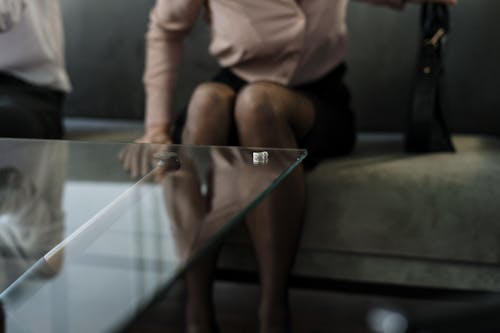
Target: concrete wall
[[105, 50]]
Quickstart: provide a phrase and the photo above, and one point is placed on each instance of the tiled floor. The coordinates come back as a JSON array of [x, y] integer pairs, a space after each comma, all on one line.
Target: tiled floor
[[312, 311]]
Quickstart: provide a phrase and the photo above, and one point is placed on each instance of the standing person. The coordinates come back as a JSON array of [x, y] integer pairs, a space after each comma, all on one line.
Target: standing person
[[33, 80], [281, 86]]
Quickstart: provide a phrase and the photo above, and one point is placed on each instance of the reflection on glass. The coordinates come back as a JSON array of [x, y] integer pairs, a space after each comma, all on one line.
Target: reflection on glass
[[116, 261], [31, 217], [199, 200]]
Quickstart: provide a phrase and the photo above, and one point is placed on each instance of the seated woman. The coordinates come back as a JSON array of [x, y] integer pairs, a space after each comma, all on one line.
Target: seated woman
[[281, 85], [33, 80]]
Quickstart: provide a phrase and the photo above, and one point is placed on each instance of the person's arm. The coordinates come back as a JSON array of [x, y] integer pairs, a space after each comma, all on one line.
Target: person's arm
[[10, 13], [399, 4], [170, 21]]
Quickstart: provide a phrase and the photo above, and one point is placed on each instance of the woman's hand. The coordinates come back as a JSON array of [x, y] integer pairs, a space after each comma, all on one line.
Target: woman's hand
[[139, 158]]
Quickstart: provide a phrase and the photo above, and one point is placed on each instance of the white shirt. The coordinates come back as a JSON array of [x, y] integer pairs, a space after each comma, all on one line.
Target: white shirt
[[32, 42]]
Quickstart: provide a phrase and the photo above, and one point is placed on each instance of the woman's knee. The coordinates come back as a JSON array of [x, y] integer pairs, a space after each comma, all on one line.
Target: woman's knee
[[256, 107], [209, 110], [211, 100]]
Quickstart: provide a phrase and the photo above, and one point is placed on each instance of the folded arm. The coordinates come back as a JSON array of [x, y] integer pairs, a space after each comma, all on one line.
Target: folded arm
[[10, 13], [170, 21]]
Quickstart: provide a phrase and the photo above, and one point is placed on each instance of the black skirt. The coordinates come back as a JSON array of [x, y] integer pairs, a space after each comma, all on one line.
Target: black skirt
[[333, 133]]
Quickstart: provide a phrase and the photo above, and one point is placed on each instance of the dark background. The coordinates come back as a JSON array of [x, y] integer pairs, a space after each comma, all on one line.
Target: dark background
[[105, 56]]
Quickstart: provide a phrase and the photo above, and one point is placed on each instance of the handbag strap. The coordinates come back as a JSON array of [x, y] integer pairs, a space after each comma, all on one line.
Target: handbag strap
[[426, 129]]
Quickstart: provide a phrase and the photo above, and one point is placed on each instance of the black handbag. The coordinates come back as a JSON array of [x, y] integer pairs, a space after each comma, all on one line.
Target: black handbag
[[426, 127]]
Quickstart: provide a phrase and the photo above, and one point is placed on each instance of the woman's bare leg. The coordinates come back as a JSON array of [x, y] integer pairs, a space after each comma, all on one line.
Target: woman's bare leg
[[209, 118], [268, 115]]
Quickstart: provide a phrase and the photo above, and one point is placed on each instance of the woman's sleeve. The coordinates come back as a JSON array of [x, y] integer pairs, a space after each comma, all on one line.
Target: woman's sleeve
[[170, 21]]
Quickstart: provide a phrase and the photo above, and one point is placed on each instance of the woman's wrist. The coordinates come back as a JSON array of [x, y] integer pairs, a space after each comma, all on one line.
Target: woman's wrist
[[156, 134], [157, 128]]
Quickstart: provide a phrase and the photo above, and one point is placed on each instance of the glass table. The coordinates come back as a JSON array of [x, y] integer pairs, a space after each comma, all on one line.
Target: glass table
[[92, 233]]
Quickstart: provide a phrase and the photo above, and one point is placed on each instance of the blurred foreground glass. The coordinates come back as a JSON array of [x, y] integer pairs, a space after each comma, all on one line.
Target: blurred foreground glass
[[84, 247]]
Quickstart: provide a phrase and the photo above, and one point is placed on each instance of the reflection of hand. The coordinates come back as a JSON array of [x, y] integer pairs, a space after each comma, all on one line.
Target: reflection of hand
[[141, 159], [138, 158]]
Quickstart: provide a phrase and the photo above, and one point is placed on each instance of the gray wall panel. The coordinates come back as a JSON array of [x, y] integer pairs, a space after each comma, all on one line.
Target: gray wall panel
[[105, 56]]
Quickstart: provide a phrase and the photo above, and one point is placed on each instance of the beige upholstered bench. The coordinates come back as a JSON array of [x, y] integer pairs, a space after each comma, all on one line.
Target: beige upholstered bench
[[384, 216]]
